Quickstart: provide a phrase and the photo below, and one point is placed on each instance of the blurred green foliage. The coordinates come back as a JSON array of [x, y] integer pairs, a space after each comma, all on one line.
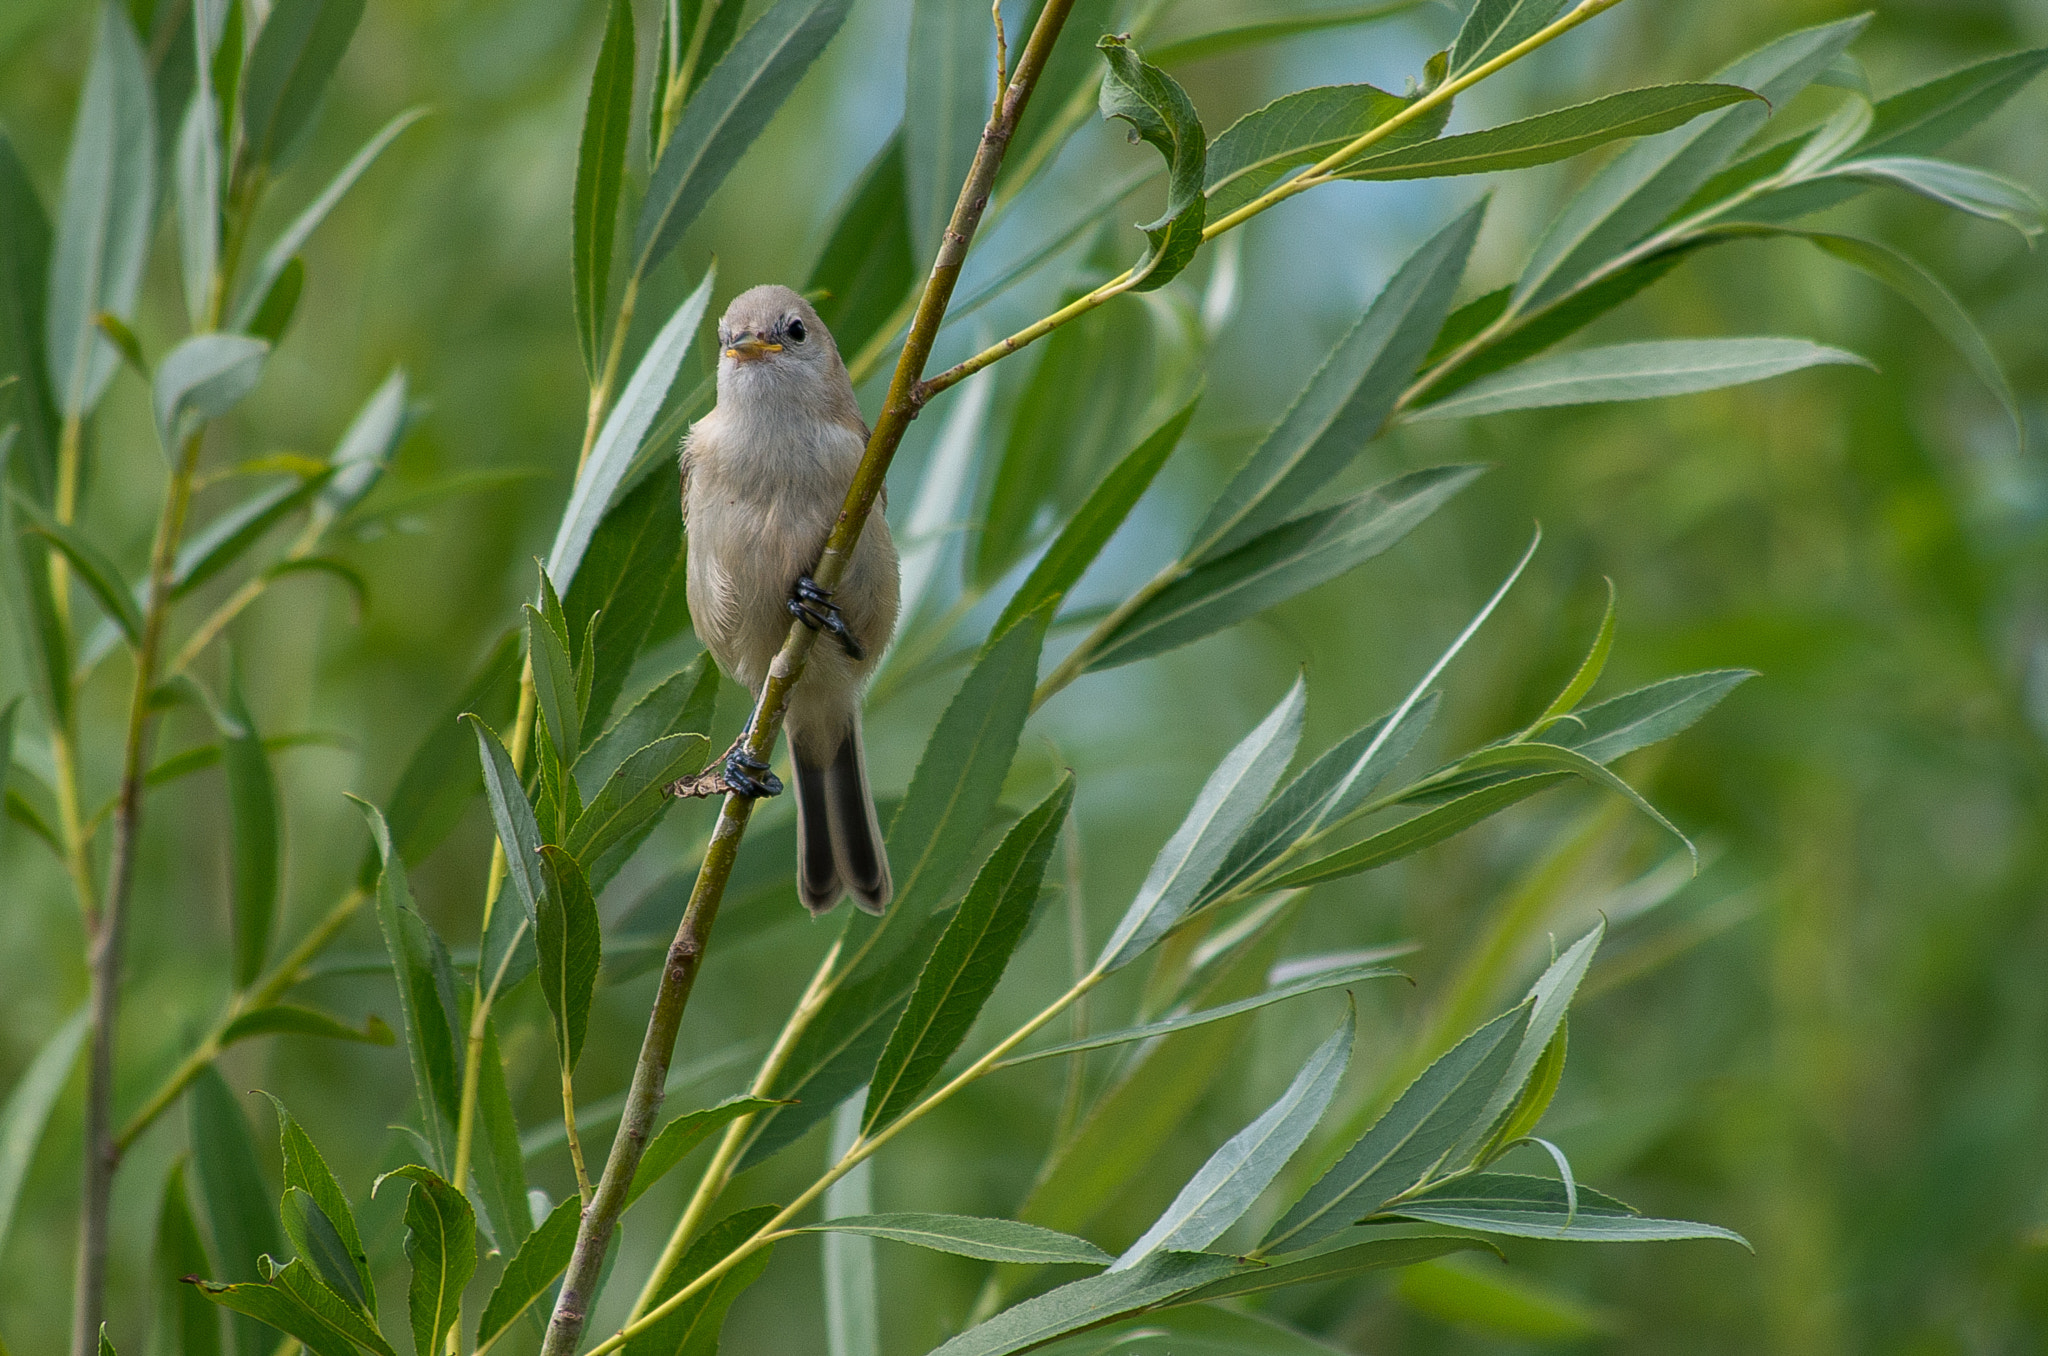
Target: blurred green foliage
[[1831, 1040]]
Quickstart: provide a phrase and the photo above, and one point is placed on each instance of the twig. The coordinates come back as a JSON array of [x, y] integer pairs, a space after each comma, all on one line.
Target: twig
[[102, 1150]]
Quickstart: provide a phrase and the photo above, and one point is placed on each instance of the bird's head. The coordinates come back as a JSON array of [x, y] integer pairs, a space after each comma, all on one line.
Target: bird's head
[[770, 335]]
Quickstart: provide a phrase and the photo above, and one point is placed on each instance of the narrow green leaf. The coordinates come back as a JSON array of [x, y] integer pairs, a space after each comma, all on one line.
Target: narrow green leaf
[[1587, 674], [632, 415], [1161, 115], [1963, 187], [24, 293], [566, 935], [1097, 520], [500, 1172], [1328, 979], [682, 703], [1640, 371], [729, 110], [1424, 830], [990, 1240], [288, 1019], [294, 57], [279, 1308], [224, 540], [957, 780], [1230, 1183], [1288, 560], [1425, 1124], [1536, 1207], [105, 216], [633, 560], [306, 1172], [268, 275], [319, 1244], [440, 778], [692, 1329], [28, 1106], [256, 818], [198, 160], [554, 682], [600, 173], [1084, 1304], [1549, 999], [190, 1326], [629, 804], [1303, 128], [101, 577], [1324, 793], [675, 1140], [512, 817], [1535, 1096], [1219, 41], [440, 1242], [428, 1023], [1495, 26], [125, 342], [364, 449], [201, 379], [1533, 754], [232, 1193], [1347, 401], [968, 961], [953, 53], [544, 1256], [1548, 137], [1633, 193], [1337, 1264], [1222, 811], [299, 1281], [1648, 714], [720, 28], [1927, 117], [868, 264]]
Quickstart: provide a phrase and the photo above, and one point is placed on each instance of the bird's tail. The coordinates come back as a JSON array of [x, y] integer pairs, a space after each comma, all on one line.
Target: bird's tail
[[839, 846]]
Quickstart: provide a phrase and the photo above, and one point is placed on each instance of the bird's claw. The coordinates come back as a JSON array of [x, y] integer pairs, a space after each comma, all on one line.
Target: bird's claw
[[813, 606], [749, 776]]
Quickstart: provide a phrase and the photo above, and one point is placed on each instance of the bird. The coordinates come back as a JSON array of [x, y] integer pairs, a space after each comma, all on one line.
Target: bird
[[764, 475]]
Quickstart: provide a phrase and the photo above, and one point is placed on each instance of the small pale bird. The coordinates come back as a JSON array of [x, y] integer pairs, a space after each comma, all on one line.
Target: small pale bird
[[764, 475]]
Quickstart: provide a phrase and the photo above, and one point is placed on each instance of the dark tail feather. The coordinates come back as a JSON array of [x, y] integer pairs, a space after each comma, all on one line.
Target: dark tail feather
[[817, 875], [839, 840], [857, 845]]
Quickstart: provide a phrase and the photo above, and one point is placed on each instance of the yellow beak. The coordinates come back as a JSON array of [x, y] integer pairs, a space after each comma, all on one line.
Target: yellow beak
[[749, 346]]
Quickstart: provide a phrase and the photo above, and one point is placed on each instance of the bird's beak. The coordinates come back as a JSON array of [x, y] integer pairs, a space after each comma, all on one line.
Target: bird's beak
[[749, 346]]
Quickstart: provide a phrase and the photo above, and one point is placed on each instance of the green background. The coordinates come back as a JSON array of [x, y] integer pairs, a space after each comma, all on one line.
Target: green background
[[1835, 1040]]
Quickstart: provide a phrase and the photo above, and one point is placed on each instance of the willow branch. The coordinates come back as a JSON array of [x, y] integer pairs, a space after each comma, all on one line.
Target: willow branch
[[1322, 172]]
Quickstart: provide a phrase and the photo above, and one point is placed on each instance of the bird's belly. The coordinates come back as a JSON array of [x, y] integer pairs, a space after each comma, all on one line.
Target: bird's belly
[[744, 557]]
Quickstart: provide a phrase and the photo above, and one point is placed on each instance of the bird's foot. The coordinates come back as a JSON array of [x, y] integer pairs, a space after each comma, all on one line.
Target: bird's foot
[[813, 606], [747, 775]]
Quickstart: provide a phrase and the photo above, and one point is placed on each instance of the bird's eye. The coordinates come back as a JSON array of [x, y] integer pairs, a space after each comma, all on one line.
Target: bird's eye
[[796, 330]]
